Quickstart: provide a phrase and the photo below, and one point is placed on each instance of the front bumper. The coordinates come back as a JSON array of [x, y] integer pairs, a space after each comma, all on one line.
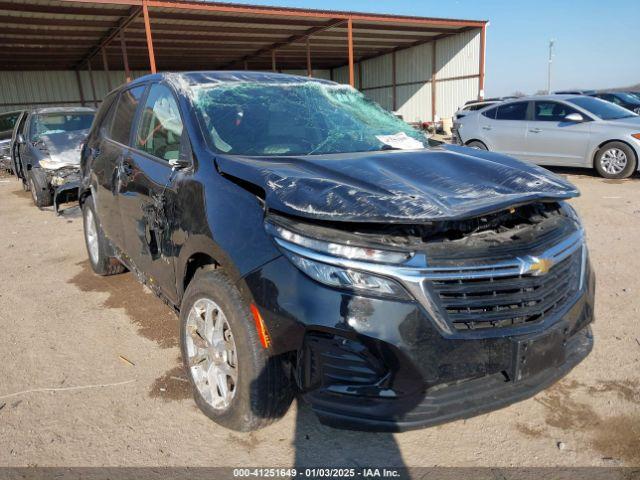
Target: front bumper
[[383, 364]]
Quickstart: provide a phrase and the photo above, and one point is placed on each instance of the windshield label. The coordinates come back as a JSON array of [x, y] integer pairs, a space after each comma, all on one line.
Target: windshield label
[[400, 140]]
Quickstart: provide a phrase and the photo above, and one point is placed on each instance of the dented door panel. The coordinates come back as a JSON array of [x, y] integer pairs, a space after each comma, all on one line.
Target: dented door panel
[[145, 195]]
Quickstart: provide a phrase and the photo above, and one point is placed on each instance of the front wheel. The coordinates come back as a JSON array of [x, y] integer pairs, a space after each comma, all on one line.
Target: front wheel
[[236, 382], [477, 144], [615, 160], [40, 191], [97, 244]]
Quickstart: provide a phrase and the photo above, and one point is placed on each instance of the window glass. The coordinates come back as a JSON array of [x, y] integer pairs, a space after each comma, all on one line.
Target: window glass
[[512, 111], [124, 113], [600, 108], [491, 113], [8, 120], [625, 97], [53, 123], [552, 111], [297, 118], [160, 128]]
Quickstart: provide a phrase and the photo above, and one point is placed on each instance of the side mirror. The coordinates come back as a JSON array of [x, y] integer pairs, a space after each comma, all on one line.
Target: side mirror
[[574, 117], [20, 139]]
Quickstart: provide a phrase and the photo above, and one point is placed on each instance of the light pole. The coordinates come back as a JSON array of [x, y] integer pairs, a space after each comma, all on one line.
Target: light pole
[[551, 43]]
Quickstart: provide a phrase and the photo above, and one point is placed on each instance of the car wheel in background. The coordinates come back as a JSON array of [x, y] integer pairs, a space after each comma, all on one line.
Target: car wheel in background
[[236, 382], [95, 240], [477, 144], [615, 160], [40, 193]]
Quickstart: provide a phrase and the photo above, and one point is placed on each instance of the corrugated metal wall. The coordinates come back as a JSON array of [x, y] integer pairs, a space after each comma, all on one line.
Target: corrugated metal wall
[[38, 88], [457, 65], [32, 89], [457, 72]]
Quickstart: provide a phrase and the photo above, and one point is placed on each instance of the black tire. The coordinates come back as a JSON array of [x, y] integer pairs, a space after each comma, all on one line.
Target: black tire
[[40, 191], [263, 391], [477, 144], [102, 262], [630, 158]]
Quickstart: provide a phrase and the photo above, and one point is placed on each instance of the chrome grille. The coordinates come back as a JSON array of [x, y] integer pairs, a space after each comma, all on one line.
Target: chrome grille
[[497, 301]]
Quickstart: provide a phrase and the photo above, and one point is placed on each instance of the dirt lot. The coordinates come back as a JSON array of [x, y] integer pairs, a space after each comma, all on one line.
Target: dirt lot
[[89, 370]]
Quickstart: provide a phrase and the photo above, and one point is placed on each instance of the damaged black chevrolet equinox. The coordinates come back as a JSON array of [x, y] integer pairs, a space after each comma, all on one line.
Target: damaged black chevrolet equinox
[[312, 242]]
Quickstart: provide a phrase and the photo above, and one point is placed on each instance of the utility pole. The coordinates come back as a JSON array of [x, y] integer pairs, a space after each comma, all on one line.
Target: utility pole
[[551, 43]]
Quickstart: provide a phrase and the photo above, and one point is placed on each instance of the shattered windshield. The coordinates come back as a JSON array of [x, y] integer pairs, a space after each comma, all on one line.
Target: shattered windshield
[[51, 123], [308, 118]]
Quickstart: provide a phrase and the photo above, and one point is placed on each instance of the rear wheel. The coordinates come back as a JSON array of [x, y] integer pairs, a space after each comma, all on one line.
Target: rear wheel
[[615, 160], [97, 244], [40, 191], [236, 382], [477, 144]]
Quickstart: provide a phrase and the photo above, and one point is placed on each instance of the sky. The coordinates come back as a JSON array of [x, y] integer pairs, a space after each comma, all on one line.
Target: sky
[[597, 42]]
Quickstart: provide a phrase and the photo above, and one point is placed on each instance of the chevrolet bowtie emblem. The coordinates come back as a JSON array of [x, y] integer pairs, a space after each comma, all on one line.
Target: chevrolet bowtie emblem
[[540, 266]]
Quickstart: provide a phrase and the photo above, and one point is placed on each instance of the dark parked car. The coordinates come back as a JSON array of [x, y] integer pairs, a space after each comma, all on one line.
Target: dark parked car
[[47, 145], [7, 123], [311, 241], [622, 99]]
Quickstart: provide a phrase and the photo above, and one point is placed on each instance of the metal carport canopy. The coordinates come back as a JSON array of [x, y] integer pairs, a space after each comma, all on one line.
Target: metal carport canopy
[[190, 35]]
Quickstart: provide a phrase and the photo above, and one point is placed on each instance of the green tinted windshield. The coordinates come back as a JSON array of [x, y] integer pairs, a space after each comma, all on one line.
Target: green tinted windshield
[[307, 118]]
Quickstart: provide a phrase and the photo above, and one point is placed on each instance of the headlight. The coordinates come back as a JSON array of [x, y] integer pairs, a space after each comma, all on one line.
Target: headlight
[[339, 250], [347, 278], [299, 248]]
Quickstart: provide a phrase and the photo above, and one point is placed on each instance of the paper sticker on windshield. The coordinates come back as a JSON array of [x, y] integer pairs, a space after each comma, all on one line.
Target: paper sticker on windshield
[[400, 140]]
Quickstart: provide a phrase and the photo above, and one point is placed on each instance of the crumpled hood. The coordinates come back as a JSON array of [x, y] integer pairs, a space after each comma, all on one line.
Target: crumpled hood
[[442, 183], [63, 148]]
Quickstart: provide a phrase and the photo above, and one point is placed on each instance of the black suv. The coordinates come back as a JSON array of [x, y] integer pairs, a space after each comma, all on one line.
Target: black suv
[[312, 242]]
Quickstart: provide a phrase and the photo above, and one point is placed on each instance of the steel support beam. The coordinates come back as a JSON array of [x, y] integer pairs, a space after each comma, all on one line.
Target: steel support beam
[[289, 40], [394, 96], [111, 34], [483, 41], [125, 59], [147, 30], [93, 85], [309, 69], [434, 66], [273, 60], [79, 80], [105, 64], [350, 49]]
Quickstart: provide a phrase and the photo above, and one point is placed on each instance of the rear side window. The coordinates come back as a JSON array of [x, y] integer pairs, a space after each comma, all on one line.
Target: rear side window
[[491, 113], [160, 128], [125, 110], [512, 111]]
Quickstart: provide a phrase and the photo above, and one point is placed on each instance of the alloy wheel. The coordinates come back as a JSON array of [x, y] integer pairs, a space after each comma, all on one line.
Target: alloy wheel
[[211, 353], [613, 161], [92, 235]]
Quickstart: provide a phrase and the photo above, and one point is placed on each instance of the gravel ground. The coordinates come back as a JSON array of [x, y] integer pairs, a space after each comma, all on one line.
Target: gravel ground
[[89, 371]]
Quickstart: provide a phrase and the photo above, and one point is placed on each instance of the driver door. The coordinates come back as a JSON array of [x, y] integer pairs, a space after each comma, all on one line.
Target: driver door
[[551, 140], [148, 192]]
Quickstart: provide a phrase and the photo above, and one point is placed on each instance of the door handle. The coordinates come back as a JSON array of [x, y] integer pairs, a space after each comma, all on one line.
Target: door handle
[[535, 130], [486, 128]]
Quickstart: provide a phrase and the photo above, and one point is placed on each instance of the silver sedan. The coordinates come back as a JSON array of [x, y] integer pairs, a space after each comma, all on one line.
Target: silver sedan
[[563, 130]]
